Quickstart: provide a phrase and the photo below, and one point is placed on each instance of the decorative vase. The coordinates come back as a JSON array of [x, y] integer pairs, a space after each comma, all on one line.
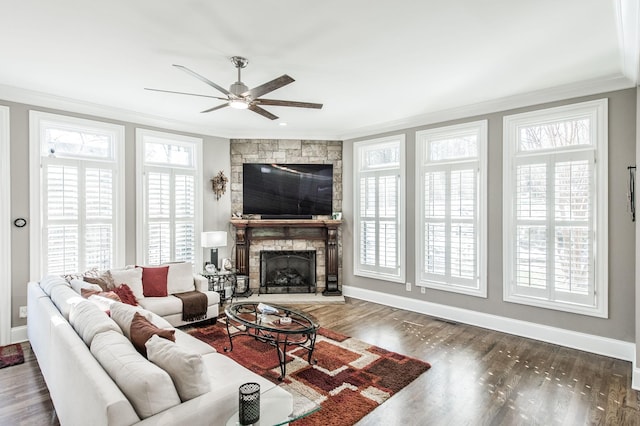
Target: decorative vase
[[249, 403]]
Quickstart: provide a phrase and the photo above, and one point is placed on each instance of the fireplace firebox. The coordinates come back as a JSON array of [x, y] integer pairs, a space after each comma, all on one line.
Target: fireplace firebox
[[285, 271]]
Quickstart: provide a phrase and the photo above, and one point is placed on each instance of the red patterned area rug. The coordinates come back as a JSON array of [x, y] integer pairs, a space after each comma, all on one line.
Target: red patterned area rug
[[350, 379], [11, 355]]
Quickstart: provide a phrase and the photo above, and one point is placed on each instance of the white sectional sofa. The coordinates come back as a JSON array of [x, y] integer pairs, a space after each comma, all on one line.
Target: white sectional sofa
[[90, 369]]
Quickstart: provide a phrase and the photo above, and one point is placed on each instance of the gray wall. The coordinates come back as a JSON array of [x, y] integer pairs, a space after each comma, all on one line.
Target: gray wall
[[621, 322], [215, 215]]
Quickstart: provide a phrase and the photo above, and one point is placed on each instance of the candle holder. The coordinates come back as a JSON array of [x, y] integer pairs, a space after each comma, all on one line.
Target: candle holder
[[249, 403]]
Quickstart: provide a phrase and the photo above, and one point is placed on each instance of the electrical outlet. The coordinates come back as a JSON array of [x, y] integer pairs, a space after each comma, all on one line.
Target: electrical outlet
[[423, 290], [408, 286], [23, 312]]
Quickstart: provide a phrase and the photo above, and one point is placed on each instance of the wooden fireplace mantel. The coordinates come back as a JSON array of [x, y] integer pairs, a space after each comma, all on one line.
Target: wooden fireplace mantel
[[248, 230]]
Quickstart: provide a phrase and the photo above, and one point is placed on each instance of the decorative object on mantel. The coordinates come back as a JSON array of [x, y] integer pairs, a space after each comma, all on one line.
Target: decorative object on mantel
[[219, 184]]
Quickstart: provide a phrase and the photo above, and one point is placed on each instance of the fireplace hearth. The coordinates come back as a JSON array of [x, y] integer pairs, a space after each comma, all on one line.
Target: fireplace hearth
[[287, 271]]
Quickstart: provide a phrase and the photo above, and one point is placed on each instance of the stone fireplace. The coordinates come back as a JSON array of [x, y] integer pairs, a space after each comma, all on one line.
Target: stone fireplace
[[321, 234], [284, 271]]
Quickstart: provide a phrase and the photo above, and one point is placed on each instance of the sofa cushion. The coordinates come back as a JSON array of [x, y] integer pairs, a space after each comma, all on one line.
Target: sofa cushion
[[154, 281], [142, 329], [191, 344], [50, 281], [148, 387], [64, 297], [88, 320], [131, 277], [122, 314], [162, 306], [180, 277], [185, 368]]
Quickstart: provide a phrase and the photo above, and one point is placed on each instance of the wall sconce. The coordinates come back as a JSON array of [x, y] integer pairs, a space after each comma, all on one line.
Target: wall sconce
[[219, 184]]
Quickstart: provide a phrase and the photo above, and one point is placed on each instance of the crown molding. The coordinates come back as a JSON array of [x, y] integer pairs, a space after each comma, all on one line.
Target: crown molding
[[584, 88], [45, 100], [557, 93]]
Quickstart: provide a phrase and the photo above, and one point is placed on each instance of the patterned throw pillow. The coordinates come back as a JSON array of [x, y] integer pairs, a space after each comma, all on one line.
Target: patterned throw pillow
[[125, 294]]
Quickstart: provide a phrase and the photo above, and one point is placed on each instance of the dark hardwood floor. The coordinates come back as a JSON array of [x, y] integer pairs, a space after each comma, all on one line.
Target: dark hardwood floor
[[478, 376]]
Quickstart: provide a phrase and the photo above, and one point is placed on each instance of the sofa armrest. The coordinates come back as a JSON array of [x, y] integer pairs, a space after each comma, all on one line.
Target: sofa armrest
[[201, 283]]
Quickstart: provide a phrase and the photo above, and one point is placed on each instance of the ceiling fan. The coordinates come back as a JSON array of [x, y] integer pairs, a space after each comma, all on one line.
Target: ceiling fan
[[239, 96]]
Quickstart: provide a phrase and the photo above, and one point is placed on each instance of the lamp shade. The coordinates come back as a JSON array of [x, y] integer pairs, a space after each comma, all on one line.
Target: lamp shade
[[213, 239]]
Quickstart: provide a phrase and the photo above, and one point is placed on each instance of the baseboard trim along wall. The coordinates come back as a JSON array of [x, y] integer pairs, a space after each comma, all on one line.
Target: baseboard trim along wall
[[19, 334], [585, 342]]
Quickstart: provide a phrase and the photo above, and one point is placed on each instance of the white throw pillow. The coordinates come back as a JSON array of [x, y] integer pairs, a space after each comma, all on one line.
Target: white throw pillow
[[77, 285], [185, 368], [131, 277], [88, 320], [180, 277], [50, 281], [148, 388], [122, 314]]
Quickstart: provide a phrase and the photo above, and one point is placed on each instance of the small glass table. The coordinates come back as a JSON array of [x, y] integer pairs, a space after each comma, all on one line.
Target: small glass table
[[275, 409], [283, 328]]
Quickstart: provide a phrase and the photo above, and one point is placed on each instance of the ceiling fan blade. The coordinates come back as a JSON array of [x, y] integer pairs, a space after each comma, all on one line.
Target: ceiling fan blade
[[215, 107], [267, 87], [262, 112], [185, 93], [203, 79], [296, 104]]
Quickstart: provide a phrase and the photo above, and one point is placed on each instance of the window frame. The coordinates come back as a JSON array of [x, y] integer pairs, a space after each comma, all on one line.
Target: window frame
[[37, 122], [597, 112], [359, 148], [141, 169], [422, 164], [5, 227]]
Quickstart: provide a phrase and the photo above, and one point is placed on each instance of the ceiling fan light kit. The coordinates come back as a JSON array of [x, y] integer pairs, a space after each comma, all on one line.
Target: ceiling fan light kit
[[239, 96]]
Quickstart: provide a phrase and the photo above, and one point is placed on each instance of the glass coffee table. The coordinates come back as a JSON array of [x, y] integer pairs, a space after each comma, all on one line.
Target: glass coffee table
[[275, 409], [279, 326]]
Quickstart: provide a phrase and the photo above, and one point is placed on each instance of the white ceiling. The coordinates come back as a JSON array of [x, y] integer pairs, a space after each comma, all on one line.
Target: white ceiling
[[374, 65]]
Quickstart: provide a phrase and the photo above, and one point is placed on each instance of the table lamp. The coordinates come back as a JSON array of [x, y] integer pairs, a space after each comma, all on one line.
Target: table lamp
[[213, 240]]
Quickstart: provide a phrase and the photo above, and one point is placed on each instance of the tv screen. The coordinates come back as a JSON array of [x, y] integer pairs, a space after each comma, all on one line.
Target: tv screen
[[298, 190]]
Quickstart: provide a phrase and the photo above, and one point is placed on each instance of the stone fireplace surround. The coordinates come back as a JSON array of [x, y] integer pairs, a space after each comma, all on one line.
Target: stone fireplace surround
[[289, 151]]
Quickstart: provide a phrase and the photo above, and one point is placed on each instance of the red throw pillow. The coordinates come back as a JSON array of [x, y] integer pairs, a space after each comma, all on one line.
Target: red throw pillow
[[141, 330], [154, 281], [125, 294]]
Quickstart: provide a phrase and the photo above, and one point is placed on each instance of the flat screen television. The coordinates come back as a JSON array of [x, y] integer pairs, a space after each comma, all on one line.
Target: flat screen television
[[287, 190]]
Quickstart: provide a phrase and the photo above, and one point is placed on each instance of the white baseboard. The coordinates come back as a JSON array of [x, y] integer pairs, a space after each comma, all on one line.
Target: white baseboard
[[635, 377], [585, 342], [19, 334]]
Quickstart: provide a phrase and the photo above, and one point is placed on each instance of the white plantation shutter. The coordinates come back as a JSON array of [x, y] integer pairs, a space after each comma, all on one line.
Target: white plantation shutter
[[79, 204], [551, 209], [170, 213], [451, 163], [379, 208]]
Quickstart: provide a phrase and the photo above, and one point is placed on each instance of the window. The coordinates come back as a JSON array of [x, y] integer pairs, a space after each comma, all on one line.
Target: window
[[451, 208], [379, 208], [555, 208], [5, 228], [78, 196], [169, 208]]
